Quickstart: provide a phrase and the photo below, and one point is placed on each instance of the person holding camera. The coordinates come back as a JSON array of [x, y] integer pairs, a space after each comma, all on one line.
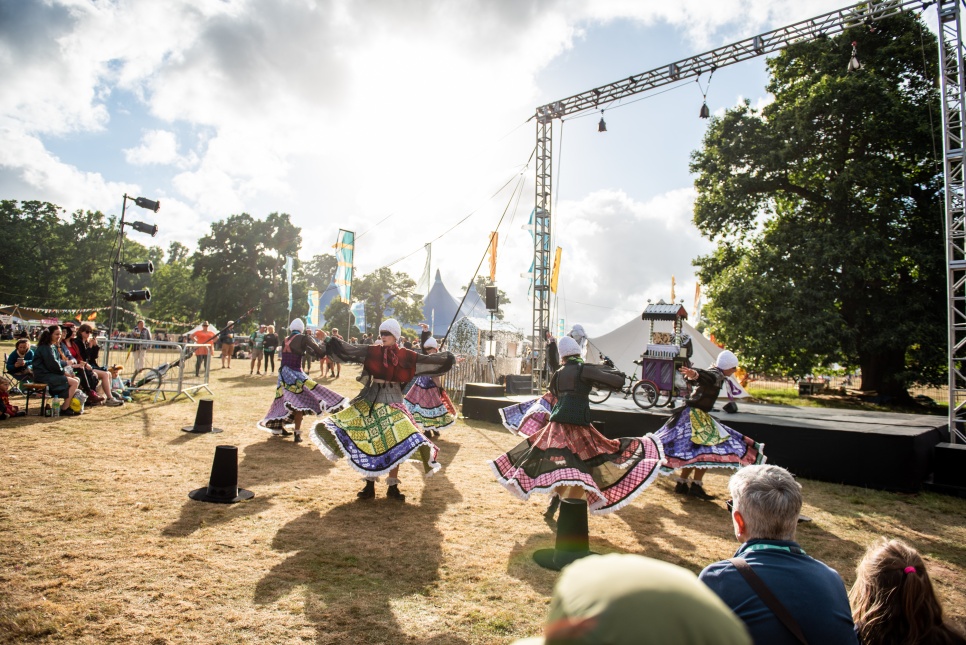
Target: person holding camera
[[18, 363]]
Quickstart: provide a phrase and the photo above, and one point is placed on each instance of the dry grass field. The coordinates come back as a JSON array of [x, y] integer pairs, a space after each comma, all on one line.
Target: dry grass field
[[99, 542]]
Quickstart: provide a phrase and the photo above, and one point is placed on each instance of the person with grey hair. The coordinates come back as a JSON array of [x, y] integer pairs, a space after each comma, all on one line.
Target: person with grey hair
[[783, 595]]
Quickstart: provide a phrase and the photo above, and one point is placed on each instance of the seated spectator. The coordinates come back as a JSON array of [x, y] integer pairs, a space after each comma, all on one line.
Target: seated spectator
[[7, 410], [88, 351], [19, 361], [118, 389], [766, 501], [623, 599], [893, 602], [49, 369], [70, 354]]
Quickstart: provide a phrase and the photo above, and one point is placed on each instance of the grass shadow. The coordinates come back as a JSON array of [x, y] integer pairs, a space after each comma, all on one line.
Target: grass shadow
[[520, 563], [197, 515], [360, 561]]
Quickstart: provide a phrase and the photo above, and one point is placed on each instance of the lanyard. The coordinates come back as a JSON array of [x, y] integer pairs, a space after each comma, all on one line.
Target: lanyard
[[775, 547]]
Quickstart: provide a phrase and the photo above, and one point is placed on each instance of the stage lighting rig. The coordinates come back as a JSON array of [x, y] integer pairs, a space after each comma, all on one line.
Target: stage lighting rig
[[140, 295]]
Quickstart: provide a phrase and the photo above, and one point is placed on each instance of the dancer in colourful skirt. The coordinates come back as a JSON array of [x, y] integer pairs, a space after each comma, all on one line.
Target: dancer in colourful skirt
[[376, 432], [296, 393], [693, 440], [426, 399], [570, 458]]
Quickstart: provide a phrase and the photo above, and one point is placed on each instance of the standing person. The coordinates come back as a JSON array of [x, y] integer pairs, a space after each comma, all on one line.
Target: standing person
[[49, 369], [320, 336], [335, 369], [376, 432], [226, 339], [258, 352], [297, 394], [141, 333], [426, 399], [269, 345], [694, 441], [569, 458], [893, 600], [202, 337], [766, 502]]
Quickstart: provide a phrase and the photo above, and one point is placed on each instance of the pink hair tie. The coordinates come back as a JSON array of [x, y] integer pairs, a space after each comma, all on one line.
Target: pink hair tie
[[909, 570]]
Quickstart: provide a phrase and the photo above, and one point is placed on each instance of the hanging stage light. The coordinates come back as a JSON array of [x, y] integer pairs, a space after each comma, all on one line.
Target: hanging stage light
[[139, 267], [149, 204], [602, 126], [141, 227], [141, 295], [705, 112], [854, 64]]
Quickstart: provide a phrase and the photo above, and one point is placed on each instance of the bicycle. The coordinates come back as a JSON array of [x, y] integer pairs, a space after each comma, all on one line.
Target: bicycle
[[633, 387]]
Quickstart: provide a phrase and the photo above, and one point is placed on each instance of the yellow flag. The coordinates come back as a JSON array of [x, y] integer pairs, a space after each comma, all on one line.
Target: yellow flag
[[556, 270], [493, 238], [93, 316], [672, 288]]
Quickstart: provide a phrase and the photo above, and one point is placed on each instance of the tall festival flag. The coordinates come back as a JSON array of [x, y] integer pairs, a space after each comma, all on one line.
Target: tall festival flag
[[289, 263], [344, 251], [697, 302], [312, 317], [555, 275], [493, 239], [672, 288], [422, 288], [358, 310]]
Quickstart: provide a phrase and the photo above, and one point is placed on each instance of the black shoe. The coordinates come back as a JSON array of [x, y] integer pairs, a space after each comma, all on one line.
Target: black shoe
[[427, 434], [551, 509], [284, 433], [697, 490], [393, 493], [681, 488], [368, 492], [298, 437], [436, 433]]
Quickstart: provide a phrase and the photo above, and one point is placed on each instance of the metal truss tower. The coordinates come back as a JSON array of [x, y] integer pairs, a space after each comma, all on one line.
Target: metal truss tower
[[951, 56]]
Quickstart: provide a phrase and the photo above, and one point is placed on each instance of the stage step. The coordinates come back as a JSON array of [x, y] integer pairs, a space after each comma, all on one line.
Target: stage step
[[482, 389]]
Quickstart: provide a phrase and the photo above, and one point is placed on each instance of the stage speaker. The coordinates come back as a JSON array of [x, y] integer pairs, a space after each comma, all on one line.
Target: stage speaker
[[492, 300]]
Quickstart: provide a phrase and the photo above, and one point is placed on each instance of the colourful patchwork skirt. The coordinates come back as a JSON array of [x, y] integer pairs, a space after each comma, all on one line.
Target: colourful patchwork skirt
[[427, 406], [296, 392], [692, 438], [376, 437], [529, 417], [612, 472]]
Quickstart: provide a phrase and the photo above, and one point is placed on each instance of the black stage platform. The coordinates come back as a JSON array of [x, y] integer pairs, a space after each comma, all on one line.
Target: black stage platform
[[886, 451]]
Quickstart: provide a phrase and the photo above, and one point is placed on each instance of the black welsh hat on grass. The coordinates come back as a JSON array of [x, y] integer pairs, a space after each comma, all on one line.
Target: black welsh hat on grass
[[223, 484], [203, 418]]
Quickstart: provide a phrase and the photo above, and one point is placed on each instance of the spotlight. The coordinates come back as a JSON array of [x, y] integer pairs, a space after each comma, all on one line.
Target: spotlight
[[140, 267], [141, 295], [705, 112], [854, 64], [602, 126], [149, 204], [141, 227]]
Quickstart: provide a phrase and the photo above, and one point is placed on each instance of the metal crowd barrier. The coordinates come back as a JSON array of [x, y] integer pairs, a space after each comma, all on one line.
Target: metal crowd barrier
[[159, 368]]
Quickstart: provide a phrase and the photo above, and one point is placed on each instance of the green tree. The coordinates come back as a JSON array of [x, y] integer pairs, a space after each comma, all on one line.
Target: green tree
[[319, 270], [33, 269], [337, 315], [176, 294], [502, 299], [387, 295], [826, 208], [242, 262]]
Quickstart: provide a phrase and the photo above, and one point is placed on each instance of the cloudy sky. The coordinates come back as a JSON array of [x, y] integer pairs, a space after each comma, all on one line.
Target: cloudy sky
[[393, 119]]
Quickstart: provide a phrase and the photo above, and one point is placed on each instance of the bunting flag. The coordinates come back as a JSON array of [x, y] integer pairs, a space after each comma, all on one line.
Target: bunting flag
[[78, 317], [289, 263], [344, 251], [672, 288], [93, 316], [311, 318], [493, 238], [358, 310], [555, 275]]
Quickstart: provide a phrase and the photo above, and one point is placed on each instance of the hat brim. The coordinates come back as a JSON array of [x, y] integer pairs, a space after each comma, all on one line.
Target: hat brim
[[193, 430], [201, 495]]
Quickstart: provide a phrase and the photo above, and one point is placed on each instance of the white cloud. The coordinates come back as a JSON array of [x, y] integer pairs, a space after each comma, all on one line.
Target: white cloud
[[158, 147]]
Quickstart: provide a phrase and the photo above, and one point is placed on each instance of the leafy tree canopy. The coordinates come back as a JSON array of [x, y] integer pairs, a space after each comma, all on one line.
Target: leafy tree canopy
[[826, 207]]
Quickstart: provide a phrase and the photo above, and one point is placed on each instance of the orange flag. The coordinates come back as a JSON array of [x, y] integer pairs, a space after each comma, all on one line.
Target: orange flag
[[493, 238], [93, 316]]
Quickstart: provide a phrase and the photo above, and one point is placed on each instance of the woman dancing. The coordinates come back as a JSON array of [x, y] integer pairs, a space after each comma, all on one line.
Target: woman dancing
[[693, 440], [427, 401], [296, 393], [568, 457], [376, 432]]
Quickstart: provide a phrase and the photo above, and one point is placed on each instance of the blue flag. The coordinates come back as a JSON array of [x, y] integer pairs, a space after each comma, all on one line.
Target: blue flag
[[359, 311], [289, 262], [344, 251], [311, 318]]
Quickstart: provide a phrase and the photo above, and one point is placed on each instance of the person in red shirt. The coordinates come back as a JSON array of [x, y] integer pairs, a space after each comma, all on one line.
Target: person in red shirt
[[202, 337]]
